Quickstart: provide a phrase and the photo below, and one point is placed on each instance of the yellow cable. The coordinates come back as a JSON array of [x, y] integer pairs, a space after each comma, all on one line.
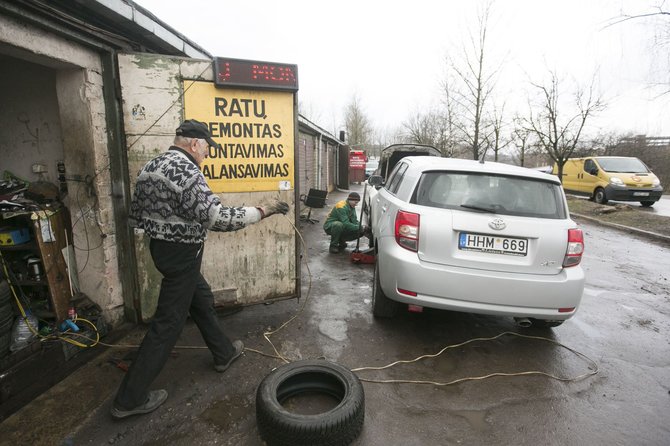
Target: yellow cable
[[16, 297], [267, 334]]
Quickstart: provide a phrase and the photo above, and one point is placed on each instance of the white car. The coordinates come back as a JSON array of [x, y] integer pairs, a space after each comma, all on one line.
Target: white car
[[388, 158], [476, 237]]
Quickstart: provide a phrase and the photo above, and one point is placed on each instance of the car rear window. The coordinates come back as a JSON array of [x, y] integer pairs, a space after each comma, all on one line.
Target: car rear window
[[494, 193]]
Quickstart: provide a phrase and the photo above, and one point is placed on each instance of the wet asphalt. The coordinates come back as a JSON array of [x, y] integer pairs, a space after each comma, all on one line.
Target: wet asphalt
[[623, 324]]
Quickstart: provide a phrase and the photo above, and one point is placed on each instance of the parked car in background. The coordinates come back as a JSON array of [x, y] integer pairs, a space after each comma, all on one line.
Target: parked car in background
[[475, 237], [370, 167], [604, 178]]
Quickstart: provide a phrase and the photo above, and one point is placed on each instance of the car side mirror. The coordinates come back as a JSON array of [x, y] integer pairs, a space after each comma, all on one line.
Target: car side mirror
[[593, 171], [376, 181]]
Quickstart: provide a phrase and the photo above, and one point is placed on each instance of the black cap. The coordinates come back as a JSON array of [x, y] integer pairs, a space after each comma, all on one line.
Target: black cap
[[196, 129], [354, 196]]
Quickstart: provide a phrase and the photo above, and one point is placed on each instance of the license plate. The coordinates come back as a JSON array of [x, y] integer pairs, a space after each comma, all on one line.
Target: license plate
[[493, 244], [640, 194]]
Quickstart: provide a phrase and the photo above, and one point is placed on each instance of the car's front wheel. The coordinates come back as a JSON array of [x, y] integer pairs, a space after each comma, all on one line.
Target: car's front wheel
[[599, 196], [647, 203], [382, 306]]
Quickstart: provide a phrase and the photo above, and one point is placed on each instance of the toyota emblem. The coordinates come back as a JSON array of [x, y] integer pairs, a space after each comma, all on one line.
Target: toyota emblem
[[498, 224]]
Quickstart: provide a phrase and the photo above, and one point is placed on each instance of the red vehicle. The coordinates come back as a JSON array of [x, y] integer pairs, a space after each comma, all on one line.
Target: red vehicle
[[357, 160]]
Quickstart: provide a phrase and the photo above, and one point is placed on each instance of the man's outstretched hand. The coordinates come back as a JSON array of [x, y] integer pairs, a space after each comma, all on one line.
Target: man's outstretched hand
[[276, 207]]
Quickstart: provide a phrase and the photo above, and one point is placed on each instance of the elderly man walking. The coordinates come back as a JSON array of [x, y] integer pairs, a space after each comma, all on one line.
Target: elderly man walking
[[176, 208]]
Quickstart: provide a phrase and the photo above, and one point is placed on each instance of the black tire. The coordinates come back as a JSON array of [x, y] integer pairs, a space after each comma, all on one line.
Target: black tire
[[647, 203], [382, 306], [6, 310], [543, 323], [338, 426], [599, 196]]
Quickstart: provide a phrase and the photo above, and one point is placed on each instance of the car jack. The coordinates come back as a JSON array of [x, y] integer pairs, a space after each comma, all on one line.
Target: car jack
[[366, 257]]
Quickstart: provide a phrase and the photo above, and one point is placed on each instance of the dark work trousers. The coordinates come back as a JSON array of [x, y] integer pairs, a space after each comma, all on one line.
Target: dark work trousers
[[183, 290], [339, 233]]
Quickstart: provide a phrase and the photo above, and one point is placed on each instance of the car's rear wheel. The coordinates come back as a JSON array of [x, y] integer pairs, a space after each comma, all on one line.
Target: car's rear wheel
[[382, 306], [647, 203], [544, 323], [599, 196]]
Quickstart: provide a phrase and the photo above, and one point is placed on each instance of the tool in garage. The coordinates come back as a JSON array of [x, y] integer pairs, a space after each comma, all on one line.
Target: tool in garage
[[358, 256]]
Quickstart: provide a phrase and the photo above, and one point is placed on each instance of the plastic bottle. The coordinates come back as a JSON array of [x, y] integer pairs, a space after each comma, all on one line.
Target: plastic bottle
[[21, 332]]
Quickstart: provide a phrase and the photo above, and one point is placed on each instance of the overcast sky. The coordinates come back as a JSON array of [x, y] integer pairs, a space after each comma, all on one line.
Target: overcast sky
[[392, 53]]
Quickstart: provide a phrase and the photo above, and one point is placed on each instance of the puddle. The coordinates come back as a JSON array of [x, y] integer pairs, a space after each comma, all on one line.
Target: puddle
[[227, 413]]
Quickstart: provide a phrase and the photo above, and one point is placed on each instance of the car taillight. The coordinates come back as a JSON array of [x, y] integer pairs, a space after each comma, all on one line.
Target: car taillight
[[407, 230], [573, 255]]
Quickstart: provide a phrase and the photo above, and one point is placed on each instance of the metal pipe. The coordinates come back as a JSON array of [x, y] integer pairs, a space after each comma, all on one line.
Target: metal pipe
[[523, 322]]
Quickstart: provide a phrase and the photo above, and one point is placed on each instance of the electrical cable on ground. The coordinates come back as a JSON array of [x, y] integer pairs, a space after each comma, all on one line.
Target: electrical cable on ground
[[593, 365], [593, 368]]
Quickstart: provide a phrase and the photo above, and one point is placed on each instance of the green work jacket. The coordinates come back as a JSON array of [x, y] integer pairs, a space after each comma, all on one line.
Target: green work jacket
[[344, 213]]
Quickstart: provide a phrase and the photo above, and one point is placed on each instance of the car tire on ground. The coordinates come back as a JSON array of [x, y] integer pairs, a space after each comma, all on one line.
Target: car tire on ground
[[599, 196], [382, 306], [647, 203], [339, 426]]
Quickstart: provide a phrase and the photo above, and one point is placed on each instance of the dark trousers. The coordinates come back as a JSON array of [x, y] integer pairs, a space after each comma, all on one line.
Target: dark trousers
[[339, 233], [183, 290]]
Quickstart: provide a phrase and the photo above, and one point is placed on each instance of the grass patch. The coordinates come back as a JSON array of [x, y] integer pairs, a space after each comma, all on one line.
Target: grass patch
[[623, 214]]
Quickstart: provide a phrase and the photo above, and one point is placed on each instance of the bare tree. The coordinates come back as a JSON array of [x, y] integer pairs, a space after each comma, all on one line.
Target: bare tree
[[521, 138], [309, 111], [556, 134], [358, 127], [659, 10], [448, 107], [430, 128], [474, 84], [494, 138], [659, 17]]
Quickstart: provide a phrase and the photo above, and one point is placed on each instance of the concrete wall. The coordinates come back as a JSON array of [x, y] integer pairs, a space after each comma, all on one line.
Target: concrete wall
[[31, 130], [64, 79]]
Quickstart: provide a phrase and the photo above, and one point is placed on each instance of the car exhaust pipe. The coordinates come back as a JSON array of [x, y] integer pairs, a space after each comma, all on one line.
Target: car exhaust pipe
[[523, 322]]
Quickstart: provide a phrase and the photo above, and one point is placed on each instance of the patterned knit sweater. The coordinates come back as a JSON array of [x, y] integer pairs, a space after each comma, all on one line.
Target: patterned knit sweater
[[172, 202]]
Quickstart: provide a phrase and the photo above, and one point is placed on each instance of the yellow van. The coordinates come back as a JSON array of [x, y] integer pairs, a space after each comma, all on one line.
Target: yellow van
[[603, 178]]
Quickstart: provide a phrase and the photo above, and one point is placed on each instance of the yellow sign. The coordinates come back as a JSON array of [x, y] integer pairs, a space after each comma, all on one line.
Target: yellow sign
[[256, 132]]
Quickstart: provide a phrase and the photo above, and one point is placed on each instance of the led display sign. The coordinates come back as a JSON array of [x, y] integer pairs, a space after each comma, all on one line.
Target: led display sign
[[257, 74]]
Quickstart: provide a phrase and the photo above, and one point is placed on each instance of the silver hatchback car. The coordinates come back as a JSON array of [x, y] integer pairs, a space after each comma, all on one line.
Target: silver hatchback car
[[475, 237]]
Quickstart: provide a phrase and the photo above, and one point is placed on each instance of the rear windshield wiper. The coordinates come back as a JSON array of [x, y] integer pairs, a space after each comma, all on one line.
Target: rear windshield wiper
[[478, 208]]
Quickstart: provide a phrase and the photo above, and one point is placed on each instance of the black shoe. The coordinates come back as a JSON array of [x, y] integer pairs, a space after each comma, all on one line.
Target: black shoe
[[342, 246], [155, 399], [239, 349], [334, 250]]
